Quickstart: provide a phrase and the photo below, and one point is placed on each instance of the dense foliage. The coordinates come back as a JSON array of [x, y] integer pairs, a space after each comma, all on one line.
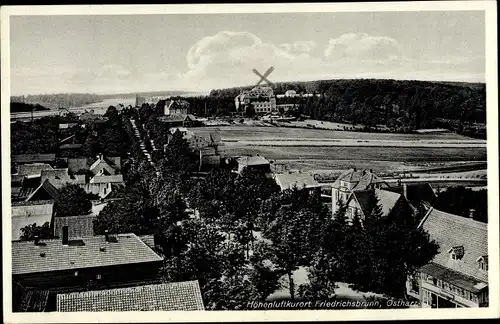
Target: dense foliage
[[72, 200], [29, 232], [399, 105], [16, 107], [463, 201]]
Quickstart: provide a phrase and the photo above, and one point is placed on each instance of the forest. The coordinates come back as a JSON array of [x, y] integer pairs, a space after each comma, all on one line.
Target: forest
[[17, 107]]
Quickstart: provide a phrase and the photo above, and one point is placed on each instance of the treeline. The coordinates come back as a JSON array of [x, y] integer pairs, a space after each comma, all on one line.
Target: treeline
[[16, 107], [399, 105], [464, 201], [59, 100]]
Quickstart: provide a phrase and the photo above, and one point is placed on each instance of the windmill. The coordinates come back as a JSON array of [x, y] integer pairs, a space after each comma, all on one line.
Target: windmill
[[263, 77]]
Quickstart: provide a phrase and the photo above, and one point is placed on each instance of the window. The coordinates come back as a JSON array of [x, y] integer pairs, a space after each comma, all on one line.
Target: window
[[483, 262], [457, 252], [98, 276]]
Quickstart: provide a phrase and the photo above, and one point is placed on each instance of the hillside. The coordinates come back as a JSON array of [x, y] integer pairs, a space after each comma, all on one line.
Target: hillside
[[17, 107]]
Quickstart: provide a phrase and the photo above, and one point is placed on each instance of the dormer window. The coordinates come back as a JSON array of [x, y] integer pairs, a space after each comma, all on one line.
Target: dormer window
[[483, 262], [457, 252]]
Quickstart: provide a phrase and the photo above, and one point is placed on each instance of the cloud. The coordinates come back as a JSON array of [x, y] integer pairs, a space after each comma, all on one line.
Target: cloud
[[299, 46], [363, 47]]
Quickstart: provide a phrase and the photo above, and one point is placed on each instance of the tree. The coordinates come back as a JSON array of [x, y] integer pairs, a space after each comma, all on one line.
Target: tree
[[29, 232], [111, 113], [72, 201]]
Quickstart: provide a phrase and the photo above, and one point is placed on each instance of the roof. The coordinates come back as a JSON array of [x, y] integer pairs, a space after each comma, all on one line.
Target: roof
[[30, 158], [174, 296], [453, 277], [451, 231], [16, 180], [33, 169], [361, 179], [48, 187], [387, 199], [129, 249], [252, 160], [289, 180], [78, 226], [70, 146], [118, 178], [28, 214], [416, 192], [148, 239], [58, 174], [77, 164]]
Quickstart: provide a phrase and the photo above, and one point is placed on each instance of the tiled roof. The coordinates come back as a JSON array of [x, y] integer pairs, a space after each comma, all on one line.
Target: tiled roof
[[16, 180], [129, 249], [149, 240], [33, 169], [24, 215], [289, 180], [450, 231], [70, 146], [78, 226], [58, 174], [175, 296], [30, 158]]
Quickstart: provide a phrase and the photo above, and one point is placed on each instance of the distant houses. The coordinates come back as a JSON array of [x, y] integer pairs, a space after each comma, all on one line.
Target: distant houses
[[299, 180]]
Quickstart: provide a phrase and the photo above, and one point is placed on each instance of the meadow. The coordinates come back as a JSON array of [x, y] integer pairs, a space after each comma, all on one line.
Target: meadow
[[380, 159]]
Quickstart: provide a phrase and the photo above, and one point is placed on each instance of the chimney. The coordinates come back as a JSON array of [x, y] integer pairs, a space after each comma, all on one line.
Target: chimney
[[65, 235], [371, 170], [37, 240], [471, 213], [404, 191], [354, 169], [106, 235]]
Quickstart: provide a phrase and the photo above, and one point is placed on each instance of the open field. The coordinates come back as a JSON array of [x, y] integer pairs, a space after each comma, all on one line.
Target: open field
[[294, 148]]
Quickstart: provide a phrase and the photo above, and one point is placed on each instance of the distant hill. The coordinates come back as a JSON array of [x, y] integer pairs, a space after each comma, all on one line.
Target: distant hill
[[66, 100], [17, 107]]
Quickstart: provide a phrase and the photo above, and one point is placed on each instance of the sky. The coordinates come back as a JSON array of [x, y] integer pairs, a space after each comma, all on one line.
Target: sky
[[200, 52]]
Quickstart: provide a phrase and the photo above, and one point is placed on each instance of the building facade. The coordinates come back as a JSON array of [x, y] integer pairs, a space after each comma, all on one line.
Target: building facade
[[261, 99], [458, 275]]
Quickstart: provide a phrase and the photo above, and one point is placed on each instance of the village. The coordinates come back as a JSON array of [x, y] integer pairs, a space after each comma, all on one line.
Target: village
[[136, 209]]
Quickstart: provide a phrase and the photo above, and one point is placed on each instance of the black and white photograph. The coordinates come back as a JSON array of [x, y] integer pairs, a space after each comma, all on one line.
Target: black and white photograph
[[335, 159]]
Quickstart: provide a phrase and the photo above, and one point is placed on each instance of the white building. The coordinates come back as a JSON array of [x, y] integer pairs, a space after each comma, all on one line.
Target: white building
[[262, 100], [290, 93]]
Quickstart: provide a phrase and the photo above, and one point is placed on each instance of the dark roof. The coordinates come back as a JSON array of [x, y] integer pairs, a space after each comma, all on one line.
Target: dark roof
[[129, 249], [174, 296], [33, 169], [77, 164], [453, 277], [451, 231], [47, 187], [78, 226], [30, 158], [387, 199], [416, 193]]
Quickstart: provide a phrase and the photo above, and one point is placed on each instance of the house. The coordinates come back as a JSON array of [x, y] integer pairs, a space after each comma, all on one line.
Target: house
[[28, 213], [175, 107], [99, 165], [44, 191], [390, 203], [283, 108], [260, 98], [353, 180], [186, 120], [32, 169], [77, 264], [458, 274], [253, 162], [290, 93], [297, 179], [173, 296], [67, 125]]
